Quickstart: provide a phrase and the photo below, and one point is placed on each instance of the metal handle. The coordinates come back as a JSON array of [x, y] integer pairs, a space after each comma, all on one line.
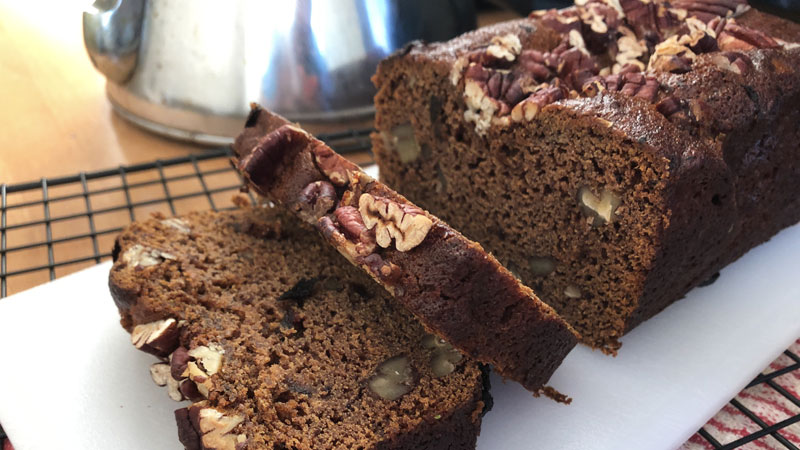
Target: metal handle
[[112, 30]]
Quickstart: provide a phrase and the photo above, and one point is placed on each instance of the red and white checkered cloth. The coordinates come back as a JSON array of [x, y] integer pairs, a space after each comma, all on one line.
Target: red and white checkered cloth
[[770, 406]]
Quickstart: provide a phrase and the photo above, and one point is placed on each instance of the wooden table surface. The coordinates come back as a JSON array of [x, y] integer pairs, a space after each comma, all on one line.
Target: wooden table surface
[[56, 121]]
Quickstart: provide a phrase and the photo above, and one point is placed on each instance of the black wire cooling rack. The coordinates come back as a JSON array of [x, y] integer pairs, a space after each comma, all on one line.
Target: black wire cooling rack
[[39, 220]]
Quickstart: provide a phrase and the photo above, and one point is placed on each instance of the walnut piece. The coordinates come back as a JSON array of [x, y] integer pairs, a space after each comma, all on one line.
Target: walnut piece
[[407, 225], [207, 362], [671, 56], [480, 106], [572, 291], [403, 142], [444, 357], [630, 50], [160, 373], [541, 265], [158, 338], [177, 223], [393, 379], [600, 209], [505, 47], [215, 428], [138, 255]]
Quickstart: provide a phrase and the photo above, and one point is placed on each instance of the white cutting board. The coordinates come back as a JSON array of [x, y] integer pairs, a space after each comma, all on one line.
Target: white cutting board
[[70, 379]]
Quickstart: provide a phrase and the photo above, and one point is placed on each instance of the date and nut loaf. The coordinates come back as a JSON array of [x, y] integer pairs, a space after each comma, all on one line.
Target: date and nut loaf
[[278, 345], [458, 291], [613, 155]]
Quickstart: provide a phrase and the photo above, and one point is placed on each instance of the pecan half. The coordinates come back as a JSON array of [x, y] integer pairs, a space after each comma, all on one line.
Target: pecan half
[[671, 56], [575, 67], [350, 222], [333, 166], [559, 20], [315, 200], [407, 225], [533, 62], [630, 84], [649, 20], [735, 37], [530, 107], [601, 20], [206, 361], [707, 10], [264, 160]]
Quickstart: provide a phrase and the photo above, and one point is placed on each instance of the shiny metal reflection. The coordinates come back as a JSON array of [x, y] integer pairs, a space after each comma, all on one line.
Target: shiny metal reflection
[[201, 62]]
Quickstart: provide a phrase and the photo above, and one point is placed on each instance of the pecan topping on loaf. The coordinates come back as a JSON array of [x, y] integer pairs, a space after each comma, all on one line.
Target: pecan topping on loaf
[[406, 224], [600, 38], [677, 53], [632, 84], [333, 167], [315, 200], [733, 36], [707, 10]]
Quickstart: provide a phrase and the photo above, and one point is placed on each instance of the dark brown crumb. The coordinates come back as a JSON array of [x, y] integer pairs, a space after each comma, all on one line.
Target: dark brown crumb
[[302, 333]]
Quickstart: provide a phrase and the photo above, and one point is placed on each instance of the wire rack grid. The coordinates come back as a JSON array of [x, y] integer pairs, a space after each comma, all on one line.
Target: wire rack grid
[[38, 219]]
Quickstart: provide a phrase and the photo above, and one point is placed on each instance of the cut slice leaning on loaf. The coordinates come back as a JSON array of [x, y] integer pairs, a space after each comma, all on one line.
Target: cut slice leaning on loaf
[[457, 290]]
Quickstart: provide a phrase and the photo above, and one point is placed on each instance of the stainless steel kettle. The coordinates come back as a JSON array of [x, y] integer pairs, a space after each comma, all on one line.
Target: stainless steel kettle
[[190, 68]]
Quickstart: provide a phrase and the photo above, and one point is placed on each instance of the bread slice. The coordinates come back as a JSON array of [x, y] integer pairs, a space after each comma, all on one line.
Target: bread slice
[[457, 290], [612, 167], [280, 345]]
